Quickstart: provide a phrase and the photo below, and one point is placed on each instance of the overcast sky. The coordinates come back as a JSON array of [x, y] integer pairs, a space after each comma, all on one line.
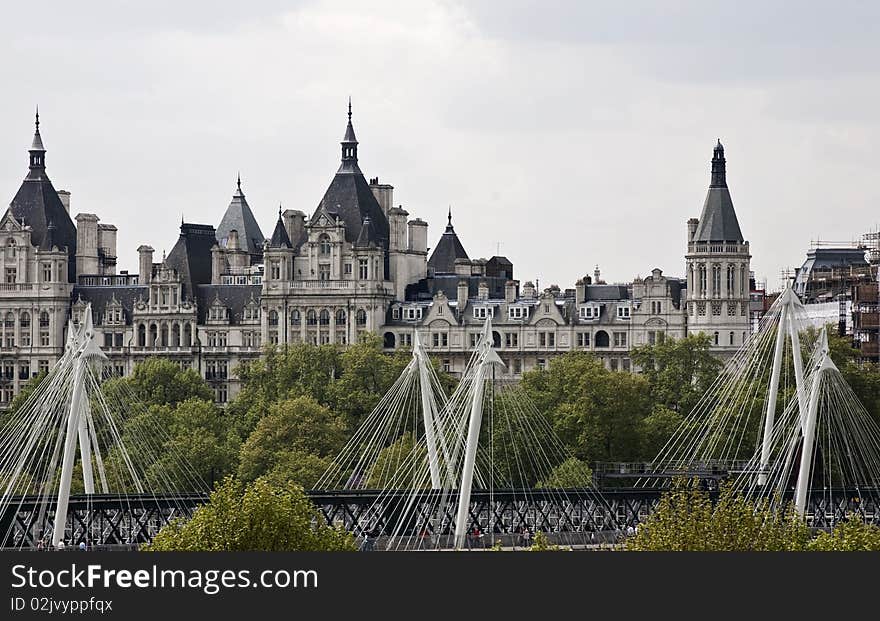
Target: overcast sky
[[570, 133]]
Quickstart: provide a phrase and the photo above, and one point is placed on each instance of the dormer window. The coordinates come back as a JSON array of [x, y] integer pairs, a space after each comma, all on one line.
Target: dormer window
[[518, 312], [623, 312], [412, 313], [590, 312], [483, 312]]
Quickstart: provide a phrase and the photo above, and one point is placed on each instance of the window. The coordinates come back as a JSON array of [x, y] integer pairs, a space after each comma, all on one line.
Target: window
[[542, 363], [295, 317], [324, 244], [652, 338], [547, 339], [440, 339], [47, 272], [361, 317], [412, 313], [406, 339], [731, 278], [482, 312], [363, 269], [447, 365], [620, 339], [583, 339], [716, 280], [716, 308], [347, 269], [702, 273], [395, 313], [340, 317], [10, 275], [716, 338], [546, 309], [731, 338], [43, 365], [701, 309], [517, 366], [613, 363], [324, 317], [731, 309], [44, 339], [623, 312], [474, 339], [626, 364], [511, 339], [590, 312], [273, 318], [311, 317], [324, 271], [518, 312]]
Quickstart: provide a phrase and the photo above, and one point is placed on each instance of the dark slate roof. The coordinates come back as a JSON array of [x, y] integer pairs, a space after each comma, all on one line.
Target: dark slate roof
[[280, 238], [607, 292], [426, 288], [349, 197], [234, 297], [100, 297], [718, 220], [191, 256], [448, 249], [36, 204], [239, 217], [367, 237]]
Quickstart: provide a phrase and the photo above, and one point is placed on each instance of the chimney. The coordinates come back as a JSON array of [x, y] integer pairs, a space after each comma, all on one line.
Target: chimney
[[483, 290], [596, 275], [510, 291], [692, 228], [64, 195], [418, 235], [295, 223], [529, 289], [217, 263], [581, 290], [384, 194], [86, 244], [232, 240], [145, 264], [462, 295]]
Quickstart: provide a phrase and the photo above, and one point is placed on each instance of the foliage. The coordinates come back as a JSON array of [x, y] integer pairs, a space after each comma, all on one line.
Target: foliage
[[848, 536], [678, 371], [542, 544], [158, 381], [291, 442], [596, 412], [570, 473], [687, 520], [257, 516], [27, 390], [402, 457]]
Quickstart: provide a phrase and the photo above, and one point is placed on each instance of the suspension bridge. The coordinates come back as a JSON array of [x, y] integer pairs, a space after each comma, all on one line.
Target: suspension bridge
[[426, 470]]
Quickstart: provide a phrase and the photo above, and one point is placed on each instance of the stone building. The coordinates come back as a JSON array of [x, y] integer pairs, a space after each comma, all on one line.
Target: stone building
[[356, 263]]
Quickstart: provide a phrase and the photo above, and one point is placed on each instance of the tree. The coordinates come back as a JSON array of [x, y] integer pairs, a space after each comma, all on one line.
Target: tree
[[570, 473], [293, 429], [158, 381], [594, 411], [658, 428], [852, 534], [679, 371], [257, 516], [401, 464], [687, 520], [542, 544]]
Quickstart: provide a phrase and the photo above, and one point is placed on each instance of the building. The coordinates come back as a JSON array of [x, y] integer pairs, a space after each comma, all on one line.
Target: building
[[355, 263]]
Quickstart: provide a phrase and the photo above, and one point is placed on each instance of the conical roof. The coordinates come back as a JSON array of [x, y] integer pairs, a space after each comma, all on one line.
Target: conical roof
[[718, 220], [280, 238], [239, 217], [448, 249], [367, 236]]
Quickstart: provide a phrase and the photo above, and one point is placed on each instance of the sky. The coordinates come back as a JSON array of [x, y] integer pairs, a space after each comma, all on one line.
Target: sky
[[562, 134]]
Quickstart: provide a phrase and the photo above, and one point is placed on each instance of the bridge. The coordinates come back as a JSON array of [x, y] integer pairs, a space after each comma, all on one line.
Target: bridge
[[124, 520]]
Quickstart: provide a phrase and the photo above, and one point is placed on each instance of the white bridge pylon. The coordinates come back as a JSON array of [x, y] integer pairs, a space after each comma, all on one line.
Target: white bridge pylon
[[83, 355]]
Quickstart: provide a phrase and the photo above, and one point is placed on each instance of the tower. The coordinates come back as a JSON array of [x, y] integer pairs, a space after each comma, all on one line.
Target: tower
[[718, 266]]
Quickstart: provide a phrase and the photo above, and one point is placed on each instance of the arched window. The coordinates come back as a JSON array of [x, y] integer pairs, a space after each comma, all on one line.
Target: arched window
[[311, 317], [164, 341], [187, 335], [9, 321], [361, 317], [273, 318], [340, 317], [154, 334], [716, 338], [142, 335], [325, 317], [25, 320], [175, 335], [602, 339], [731, 338], [496, 340], [44, 319], [295, 317], [10, 248], [388, 340], [324, 244]]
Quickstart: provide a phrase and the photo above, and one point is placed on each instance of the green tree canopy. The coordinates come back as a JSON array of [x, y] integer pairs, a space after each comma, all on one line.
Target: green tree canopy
[[571, 473], [158, 381], [257, 516], [294, 429]]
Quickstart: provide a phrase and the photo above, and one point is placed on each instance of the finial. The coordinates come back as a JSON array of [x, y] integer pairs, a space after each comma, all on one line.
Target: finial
[[238, 183], [449, 217], [37, 121], [279, 211], [349, 108]]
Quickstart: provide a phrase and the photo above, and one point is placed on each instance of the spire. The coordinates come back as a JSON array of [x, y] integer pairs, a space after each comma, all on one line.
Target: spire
[[367, 235], [37, 150], [449, 219], [238, 183], [719, 165], [238, 193], [349, 146]]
